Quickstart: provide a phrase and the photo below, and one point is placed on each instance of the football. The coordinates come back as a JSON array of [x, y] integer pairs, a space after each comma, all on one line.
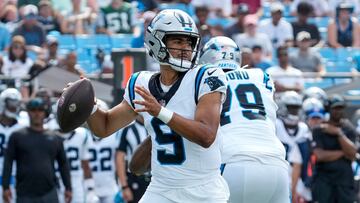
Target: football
[[75, 105]]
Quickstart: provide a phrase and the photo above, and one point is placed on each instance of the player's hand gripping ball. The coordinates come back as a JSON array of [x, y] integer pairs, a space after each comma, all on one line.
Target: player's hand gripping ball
[[75, 105]]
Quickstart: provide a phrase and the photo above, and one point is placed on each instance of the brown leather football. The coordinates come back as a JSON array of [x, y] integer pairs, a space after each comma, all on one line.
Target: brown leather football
[[75, 105]]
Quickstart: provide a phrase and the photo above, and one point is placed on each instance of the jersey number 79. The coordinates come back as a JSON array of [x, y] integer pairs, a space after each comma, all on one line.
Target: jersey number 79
[[253, 110]]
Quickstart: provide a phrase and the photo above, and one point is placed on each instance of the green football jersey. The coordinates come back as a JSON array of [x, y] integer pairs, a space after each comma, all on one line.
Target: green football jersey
[[118, 20]]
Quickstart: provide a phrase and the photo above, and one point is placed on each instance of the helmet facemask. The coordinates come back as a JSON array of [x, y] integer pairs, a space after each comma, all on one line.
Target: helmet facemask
[[292, 115], [167, 23], [12, 108], [164, 56]]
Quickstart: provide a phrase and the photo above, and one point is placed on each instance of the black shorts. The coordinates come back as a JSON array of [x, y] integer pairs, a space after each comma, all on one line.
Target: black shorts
[[323, 192]]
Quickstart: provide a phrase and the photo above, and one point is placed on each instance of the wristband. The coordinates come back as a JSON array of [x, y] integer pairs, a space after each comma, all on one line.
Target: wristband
[[89, 184], [165, 115], [124, 187]]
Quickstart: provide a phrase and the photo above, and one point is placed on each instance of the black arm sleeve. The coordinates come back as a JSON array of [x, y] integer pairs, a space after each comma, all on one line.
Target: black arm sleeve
[[8, 162], [63, 166]]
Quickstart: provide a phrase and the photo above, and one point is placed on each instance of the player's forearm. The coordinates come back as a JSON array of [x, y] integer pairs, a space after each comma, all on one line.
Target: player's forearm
[[327, 155], [6, 173], [203, 128], [140, 162], [295, 176], [196, 131], [347, 147], [121, 168], [104, 123]]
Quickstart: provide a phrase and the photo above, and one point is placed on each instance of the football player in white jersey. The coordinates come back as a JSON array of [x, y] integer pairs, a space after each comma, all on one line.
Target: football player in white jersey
[[76, 147], [253, 157], [102, 162], [181, 108], [10, 102], [294, 133]]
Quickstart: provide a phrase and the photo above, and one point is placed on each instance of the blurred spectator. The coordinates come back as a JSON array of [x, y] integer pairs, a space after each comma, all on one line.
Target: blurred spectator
[[278, 30], [254, 5], [251, 37], [246, 60], [148, 5], [304, 58], [29, 27], [103, 3], [21, 3], [334, 148], [65, 6], [304, 10], [117, 18], [10, 17], [70, 64], [78, 20], [333, 4], [50, 19], [5, 37], [202, 14], [217, 8], [35, 151], [285, 76], [238, 26], [17, 64], [320, 7], [1, 64], [258, 59], [344, 30], [51, 52], [2, 5]]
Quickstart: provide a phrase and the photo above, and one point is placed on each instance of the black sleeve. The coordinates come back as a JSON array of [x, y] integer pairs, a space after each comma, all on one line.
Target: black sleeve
[[123, 140], [8, 162], [63, 165], [317, 141], [349, 130]]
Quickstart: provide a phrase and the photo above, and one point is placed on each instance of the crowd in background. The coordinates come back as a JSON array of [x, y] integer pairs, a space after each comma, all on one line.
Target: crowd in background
[[283, 38]]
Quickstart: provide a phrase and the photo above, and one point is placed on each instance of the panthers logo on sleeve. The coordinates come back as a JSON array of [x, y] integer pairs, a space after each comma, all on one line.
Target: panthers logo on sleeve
[[214, 82]]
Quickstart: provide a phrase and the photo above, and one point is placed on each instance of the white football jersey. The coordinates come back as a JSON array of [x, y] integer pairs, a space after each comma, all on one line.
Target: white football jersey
[[76, 148], [248, 116], [297, 145], [301, 135], [5, 132], [177, 162], [102, 163]]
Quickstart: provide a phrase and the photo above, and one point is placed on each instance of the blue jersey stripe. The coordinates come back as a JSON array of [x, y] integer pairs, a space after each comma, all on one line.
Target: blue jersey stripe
[[132, 88], [198, 79]]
